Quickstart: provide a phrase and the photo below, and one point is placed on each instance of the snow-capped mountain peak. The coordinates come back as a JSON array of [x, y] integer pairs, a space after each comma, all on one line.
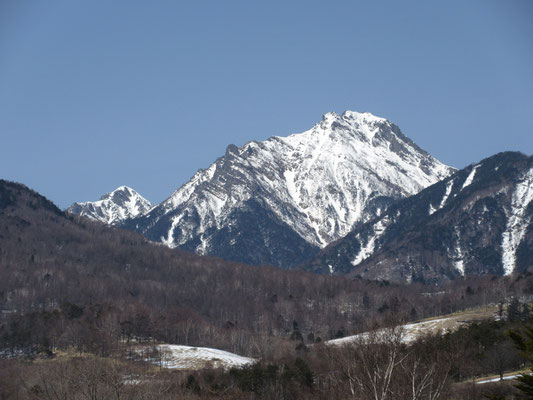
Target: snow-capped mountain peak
[[344, 162], [113, 207], [318, 184]]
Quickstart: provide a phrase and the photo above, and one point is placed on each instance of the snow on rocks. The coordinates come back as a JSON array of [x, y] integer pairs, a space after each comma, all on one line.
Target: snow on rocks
[[368, 248], [517, 222], [113, 207], [319, 182]]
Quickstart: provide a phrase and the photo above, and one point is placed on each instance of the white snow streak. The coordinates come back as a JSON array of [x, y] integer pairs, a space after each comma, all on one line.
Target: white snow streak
[[291, 185], [169, 241], [516, 221], [458, 260], [368, 248], [470, 178], [449, 186]]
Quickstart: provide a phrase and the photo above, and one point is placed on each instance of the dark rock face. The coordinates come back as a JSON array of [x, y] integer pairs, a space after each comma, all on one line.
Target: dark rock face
[[255, 236], [478, 221]]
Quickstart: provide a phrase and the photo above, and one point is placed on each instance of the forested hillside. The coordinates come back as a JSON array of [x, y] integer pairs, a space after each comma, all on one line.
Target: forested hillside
[[68, 284], [55, 266]]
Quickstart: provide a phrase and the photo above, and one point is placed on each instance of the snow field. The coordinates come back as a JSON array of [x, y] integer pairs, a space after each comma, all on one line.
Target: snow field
[[192, 358]]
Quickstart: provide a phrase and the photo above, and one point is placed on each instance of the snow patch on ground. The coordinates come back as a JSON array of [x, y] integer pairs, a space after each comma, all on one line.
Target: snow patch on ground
[[192, 358], [409, 332], [505, 378]]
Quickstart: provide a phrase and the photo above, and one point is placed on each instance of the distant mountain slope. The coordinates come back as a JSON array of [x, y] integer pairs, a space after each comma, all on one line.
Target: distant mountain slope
[[13, 196], [114, 207], [278, 201], [478, 221]]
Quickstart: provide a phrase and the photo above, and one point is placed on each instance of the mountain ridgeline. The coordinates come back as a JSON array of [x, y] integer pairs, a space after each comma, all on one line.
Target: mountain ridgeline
[[279, 201], [477, 221], [352, 195]]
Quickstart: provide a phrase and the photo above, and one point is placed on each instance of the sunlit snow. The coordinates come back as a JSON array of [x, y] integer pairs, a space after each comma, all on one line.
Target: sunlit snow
[[449, 186], [517, 223], [319, 182], [458, 260], [191, 358], [408, 332], [368, 248], [470, 178], [114, 207]]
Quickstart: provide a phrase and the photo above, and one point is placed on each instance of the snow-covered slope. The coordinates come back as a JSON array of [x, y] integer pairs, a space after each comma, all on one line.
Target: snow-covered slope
[[409, 333], [477, 221], [114, 207], [192, 358], [313, 188]]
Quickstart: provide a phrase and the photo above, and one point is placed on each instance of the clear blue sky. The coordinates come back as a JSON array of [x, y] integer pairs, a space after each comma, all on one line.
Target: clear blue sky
[[97, 94]]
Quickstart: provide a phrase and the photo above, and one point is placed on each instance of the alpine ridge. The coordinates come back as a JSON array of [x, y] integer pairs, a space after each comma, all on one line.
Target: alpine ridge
[[478, 221], [114, 207], [279, 201]]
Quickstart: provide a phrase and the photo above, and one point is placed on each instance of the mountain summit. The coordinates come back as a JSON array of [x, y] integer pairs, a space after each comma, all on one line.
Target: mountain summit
[[113, 207], [277, 201]]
